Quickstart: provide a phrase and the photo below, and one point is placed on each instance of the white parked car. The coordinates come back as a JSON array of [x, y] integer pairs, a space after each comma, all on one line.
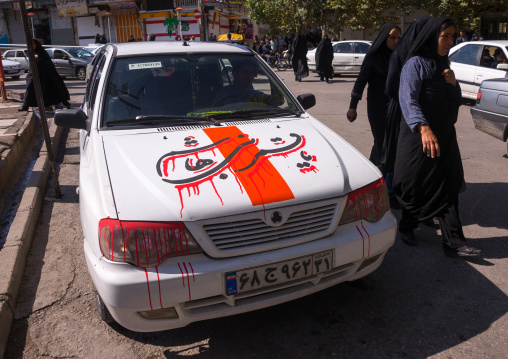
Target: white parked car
[[207, 190], [475, 61], [12, 69], [347, 56], [18, 55]]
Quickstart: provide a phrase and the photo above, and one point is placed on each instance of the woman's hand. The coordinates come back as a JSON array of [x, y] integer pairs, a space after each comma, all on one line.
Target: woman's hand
[[429, 141], [449, 76], [351, 114]]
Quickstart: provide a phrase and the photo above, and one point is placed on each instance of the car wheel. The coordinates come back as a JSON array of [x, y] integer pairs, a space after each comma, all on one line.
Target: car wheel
[[81, 73], [15, 77], [103, 311]]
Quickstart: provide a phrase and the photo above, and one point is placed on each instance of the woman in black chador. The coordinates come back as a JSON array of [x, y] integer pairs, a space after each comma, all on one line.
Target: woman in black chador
[[428, 169], [324, 58], [299, 61], [374, 71], [53, 88]]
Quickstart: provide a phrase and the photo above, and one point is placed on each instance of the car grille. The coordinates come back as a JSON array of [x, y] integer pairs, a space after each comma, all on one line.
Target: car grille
[[310, 222]]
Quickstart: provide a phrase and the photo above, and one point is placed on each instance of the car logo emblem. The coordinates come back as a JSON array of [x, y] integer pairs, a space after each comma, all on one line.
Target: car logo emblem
[[276, 217]]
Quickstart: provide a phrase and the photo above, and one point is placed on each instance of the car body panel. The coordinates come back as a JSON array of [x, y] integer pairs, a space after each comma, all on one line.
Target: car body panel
[[348, 56], [490, 114], [293, 182], [471, 68], [12, 68]]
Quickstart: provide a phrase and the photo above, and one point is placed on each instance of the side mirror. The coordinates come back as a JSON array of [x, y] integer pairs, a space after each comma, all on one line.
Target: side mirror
[[72, 118], [502, 66], [307, 100]]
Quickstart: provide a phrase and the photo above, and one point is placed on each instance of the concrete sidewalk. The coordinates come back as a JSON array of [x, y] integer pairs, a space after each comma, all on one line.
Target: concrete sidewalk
[[16, 132]]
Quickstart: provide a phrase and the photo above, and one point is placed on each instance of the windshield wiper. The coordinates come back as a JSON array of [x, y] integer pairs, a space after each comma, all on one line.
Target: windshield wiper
[[154, 119], [258, 112]]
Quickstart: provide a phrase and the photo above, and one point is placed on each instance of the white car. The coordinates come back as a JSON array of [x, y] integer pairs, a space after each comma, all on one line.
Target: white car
[[202, 198], [12, 69], [18, 55], [347, 56], [474, 61]]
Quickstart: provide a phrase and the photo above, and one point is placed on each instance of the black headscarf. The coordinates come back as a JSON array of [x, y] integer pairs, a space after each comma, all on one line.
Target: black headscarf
[[426, 44], [42, 55], [399, 55]]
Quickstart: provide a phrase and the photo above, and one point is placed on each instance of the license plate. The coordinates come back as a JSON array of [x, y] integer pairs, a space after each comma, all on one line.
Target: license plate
[[278, 273], [11, 71]]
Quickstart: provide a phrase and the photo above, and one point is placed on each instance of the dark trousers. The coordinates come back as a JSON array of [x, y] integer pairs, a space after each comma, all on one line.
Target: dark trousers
[[449, 220]]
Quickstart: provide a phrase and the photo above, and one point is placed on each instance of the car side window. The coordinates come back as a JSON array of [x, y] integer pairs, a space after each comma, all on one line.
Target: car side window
[[9, 54], [50, 53], [59, 55], [19, 54], [468, 54], [361, 48], [344, 48]]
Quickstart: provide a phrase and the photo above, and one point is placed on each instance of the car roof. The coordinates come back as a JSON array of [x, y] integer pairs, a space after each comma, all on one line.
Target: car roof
[[501, 43], [157, 47]]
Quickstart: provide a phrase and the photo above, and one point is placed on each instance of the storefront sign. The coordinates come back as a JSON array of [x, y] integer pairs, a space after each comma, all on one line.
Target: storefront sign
[[185, 25], [68, 8]]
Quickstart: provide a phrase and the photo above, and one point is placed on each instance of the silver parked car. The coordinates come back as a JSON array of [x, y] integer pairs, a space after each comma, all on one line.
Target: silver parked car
[[71, 61], [18, 55], [12, 69]]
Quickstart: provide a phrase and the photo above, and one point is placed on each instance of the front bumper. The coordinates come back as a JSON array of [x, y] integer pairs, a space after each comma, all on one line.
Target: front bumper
[[15, 72], [195, 285]]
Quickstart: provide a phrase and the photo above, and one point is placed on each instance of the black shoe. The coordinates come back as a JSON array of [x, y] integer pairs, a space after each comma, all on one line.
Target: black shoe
[[66, 104], [394, 203], [23, 108], [328, 80], [48, 109], [60, 106], [464, 251], [322, 78], [408, 238], [432, 222]]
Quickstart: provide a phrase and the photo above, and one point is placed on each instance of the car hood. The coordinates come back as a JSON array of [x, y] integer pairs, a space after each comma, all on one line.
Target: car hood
[[197, 173], [10, 63]]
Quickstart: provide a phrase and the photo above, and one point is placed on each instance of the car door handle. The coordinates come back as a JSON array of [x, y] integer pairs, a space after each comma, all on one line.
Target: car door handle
[[479, 75]]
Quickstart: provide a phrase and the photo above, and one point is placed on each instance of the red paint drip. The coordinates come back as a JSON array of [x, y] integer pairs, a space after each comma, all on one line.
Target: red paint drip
[[363, 241], [188, 280], [192, 269], [368, 252], [159, 281], [310, 169], [148, 285], [183, 276]]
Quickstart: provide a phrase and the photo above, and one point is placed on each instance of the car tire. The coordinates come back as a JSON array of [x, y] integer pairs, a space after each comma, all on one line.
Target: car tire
[[81, 73], [15, 77], [103, 311]]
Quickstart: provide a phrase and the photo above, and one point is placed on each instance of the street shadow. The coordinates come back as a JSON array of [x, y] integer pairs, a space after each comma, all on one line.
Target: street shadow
[[417, 304], [484, 204]]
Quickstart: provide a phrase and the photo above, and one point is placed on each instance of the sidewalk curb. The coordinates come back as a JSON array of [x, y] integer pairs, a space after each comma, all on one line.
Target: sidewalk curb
[[18, 242], [10, 162]]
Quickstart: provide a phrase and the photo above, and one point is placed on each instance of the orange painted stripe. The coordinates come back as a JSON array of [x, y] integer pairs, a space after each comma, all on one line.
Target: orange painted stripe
[[262, 182]]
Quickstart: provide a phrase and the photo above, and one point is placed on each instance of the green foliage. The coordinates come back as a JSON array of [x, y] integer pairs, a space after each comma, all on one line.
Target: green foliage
[[289, 16]]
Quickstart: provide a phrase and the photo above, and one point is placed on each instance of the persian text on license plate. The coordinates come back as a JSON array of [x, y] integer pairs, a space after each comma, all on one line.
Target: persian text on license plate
[[278, 273]]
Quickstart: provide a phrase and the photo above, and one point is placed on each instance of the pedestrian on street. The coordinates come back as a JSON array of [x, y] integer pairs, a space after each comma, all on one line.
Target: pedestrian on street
[[103, 39], [462, 38], [393, 116], [324, 58], [53, 88], [428, 168], [299, 59], [374, 71]]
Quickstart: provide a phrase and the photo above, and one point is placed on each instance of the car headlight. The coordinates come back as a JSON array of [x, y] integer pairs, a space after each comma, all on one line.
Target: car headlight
[[145, 244], [369, 203]]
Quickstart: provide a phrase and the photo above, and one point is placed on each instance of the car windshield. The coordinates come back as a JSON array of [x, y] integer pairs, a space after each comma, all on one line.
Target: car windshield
[[79, 53], [180, 89]]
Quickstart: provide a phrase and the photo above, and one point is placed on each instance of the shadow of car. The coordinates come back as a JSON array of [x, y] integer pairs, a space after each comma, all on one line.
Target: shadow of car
[[490, 114], [70, 61], [476, 61], [347, 56]]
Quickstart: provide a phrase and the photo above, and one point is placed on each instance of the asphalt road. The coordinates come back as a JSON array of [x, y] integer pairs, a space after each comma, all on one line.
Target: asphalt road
[[418, 304]]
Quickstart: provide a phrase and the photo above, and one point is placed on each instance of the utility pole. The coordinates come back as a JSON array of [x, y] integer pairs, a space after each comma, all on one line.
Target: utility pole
[[38, 94], [203, 21]]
